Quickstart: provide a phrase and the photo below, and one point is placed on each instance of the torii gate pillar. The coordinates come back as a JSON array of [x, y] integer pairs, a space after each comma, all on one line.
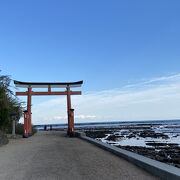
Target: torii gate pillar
[[29, 110], [71, 122], [26, 124], [70, 113], [68, 109]]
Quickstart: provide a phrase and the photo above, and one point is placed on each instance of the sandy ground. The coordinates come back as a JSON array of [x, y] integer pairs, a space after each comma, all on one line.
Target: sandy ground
[[53, 156]]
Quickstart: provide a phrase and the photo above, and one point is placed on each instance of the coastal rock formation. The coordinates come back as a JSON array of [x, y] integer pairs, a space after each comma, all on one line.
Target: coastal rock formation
[[168, 153], [152, 134], [97, 134], [114, 137]]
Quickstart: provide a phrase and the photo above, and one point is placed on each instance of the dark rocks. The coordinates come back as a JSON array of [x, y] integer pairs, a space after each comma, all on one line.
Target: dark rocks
[[169, 155], [97, 134], [125, 132], [131, 135], [113, 137], [161, 144], [152, 134], [176, 135]]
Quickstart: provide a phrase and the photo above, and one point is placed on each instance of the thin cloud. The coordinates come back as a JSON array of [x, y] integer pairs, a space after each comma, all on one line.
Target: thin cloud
[[155, 81]]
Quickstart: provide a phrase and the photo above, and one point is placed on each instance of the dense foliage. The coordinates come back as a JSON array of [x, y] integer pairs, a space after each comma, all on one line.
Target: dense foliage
[[9, 104]]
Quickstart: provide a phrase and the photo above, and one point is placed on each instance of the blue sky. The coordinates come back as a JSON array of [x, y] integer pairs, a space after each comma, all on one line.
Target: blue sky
[[108, 44]]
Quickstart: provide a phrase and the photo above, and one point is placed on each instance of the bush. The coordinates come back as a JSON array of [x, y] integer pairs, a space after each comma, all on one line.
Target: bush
[[9, 104], [34, 130], [3, 138], [20, 129]]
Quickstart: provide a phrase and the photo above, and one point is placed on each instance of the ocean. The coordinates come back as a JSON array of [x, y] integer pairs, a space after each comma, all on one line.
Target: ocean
[[113, 124]]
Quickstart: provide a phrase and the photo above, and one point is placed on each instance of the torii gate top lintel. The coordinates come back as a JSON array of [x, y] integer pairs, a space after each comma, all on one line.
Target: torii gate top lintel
[[48, 85]]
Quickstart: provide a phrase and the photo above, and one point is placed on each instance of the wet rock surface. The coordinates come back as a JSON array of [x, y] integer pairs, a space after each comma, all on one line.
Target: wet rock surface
[[114, 137], [152, 134], [97, 133], [170, 155]]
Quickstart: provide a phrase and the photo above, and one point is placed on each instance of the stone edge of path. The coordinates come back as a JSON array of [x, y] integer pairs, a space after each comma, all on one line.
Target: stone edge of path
[[159, 169]]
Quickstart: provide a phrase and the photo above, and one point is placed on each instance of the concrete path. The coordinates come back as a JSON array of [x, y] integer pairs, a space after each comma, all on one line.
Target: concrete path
[[53, 156]]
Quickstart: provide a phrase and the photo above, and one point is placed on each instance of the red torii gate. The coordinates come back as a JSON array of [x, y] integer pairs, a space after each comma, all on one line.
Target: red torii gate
[[29, 93]]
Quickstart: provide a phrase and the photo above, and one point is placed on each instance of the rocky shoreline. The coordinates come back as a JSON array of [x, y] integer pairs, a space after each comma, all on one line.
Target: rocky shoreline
[[157, 144], [169, 154]]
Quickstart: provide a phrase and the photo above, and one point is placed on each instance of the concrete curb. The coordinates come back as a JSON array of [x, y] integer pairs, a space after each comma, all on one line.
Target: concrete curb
[[156, 168]]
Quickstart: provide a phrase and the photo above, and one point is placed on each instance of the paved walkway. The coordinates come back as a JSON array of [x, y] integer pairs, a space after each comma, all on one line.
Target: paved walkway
[[53, 156]]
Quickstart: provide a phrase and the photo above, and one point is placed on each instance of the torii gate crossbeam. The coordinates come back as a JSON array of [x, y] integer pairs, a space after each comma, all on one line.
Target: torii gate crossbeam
[[29, 93]]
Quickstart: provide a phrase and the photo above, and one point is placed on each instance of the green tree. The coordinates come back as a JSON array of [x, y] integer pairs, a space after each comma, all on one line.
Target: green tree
[[8, 103]]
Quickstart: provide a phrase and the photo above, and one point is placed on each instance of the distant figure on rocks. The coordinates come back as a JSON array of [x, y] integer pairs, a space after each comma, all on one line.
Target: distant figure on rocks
[[45, 128], [50, 127]]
